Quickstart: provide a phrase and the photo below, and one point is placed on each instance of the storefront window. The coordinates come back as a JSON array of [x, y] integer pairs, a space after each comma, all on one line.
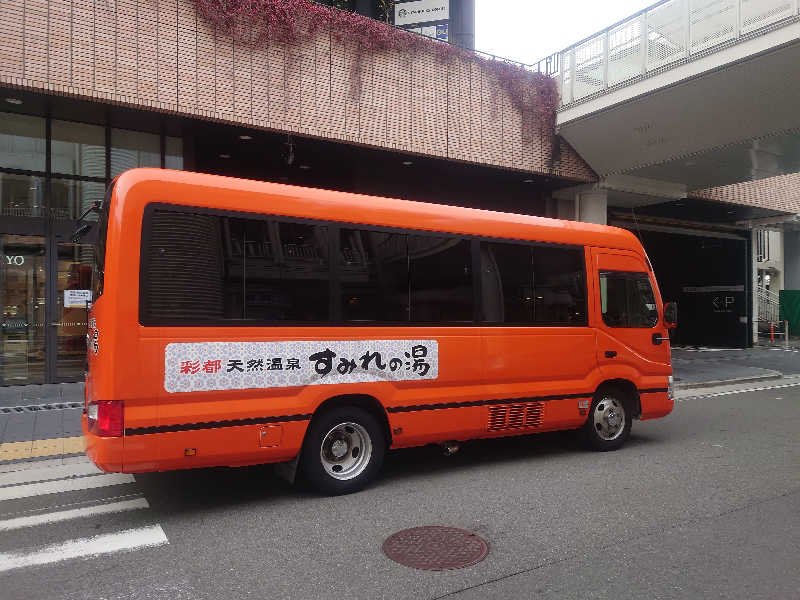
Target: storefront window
[[22, 300], [76, 268], [21, 195], [45, 280], [131, 149], [174, 153], [22, 142], [70, 198], [78, 149]]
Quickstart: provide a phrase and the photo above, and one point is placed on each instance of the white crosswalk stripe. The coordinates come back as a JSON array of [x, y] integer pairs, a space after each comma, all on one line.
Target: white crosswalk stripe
[[51, 497], [131, 539], [73, 513]]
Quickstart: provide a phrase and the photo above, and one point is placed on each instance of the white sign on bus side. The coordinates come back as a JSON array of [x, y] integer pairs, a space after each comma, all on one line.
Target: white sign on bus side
[[205, 366]]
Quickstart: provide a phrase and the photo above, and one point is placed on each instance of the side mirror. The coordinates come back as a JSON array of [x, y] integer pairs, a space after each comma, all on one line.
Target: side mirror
[[671, 315], [80, 231]]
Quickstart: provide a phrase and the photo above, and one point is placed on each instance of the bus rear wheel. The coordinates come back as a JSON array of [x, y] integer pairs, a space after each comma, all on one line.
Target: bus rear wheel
[[610, 419], [343, 450]]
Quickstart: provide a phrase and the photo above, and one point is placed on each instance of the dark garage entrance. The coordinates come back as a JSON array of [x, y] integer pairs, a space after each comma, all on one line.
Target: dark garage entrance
[[708, 274]]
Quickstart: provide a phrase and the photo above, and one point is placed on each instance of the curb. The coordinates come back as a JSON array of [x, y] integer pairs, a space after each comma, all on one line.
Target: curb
[[770, 376]]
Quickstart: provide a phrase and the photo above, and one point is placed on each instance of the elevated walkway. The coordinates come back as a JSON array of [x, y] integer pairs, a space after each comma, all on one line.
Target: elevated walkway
[[689, 94]]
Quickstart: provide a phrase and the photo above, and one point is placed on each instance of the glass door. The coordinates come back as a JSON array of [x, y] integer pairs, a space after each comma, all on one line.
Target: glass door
[[23, 294], [75, 269]]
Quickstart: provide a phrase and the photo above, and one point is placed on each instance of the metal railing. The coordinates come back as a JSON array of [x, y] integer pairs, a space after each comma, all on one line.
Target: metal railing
[[659, 36], [768, 305]]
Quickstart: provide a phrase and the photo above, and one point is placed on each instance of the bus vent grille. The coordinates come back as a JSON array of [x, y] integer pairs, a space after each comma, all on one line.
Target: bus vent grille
[[515, 416]]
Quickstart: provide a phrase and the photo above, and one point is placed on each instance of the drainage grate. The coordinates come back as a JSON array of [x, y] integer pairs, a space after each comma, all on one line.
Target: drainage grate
[[435, 548], [38, 407]]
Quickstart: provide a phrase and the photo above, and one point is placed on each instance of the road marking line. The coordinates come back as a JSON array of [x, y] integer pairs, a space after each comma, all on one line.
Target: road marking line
[[46, 474], [744, 391], [64, 485], [75, 513], [40, 448], [131, 539]]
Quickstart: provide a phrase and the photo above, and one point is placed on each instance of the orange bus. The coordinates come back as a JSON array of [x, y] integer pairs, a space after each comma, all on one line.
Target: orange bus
[[241, 322]]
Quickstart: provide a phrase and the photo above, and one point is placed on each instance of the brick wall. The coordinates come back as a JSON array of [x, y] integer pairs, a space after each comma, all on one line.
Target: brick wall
[[781, 192], [160, 55]]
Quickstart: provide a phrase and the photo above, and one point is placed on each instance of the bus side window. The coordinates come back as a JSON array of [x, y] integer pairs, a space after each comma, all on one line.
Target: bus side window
[[441, 279], [533, 284], [373, 276]]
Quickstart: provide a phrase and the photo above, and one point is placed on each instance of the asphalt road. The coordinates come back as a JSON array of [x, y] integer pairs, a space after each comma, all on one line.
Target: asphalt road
[[702, 504]]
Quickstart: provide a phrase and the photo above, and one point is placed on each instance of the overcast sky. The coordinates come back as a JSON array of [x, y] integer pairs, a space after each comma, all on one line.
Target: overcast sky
[[530, 30]]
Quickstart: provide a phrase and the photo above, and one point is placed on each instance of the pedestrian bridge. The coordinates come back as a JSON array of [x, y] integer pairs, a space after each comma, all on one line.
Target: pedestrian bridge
[[687, 94]]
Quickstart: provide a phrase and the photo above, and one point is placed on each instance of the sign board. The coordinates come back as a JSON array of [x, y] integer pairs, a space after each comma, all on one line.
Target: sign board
[[421, 11], [77, 298], [197, 367], [438, 32]]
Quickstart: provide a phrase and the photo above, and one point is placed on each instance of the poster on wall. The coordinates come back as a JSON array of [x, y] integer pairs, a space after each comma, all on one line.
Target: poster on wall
[[77, 298], [421, 11]]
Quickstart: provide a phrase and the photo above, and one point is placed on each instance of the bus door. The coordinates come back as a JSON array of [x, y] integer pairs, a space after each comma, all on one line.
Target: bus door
[[627, 309]]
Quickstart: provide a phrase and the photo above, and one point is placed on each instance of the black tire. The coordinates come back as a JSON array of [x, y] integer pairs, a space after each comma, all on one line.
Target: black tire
[[343, 451], [605, 428]]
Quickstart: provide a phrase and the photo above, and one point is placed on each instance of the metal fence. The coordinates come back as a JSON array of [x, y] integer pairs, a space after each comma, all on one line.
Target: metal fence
[[768, 305], [657, 37]]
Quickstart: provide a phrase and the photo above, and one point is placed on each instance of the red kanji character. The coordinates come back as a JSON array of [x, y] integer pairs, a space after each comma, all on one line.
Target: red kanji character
[[189, 366], [212, 366]]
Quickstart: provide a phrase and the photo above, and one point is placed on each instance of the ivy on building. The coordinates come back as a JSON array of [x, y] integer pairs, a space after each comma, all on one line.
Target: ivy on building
[[261, 22]]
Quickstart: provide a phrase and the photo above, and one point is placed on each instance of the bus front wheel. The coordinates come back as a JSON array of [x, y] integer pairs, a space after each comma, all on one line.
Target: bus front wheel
[[343, 450], [609, 422]]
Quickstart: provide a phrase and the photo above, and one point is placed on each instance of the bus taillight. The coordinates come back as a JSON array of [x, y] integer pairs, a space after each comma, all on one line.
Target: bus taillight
[[105, 418]]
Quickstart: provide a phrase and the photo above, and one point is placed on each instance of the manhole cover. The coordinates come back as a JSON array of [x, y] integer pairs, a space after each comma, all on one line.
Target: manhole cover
[[435, 548]]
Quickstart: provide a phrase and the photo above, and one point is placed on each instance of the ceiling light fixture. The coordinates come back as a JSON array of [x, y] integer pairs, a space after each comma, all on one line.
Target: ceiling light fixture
[[15, 101], [527, 181], [224, 155], [245, 138], [407, 163], [304, 167]]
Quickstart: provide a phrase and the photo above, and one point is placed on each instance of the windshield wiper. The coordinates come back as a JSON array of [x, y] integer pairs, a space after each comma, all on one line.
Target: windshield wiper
[[82, 229]]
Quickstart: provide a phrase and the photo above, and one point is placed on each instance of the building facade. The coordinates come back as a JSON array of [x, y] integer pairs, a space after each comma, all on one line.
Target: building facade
[[88, 90]]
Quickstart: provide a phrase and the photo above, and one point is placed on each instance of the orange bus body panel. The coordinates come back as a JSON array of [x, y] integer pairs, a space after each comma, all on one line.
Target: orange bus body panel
[[550, 372]]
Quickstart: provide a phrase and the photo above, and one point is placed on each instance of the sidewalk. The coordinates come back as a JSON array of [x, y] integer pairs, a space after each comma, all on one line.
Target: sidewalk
[[709, 367], [40, 422]]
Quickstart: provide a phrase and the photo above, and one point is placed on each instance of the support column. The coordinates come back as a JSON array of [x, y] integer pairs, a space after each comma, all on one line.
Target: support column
[[584, 203], [592, 207]]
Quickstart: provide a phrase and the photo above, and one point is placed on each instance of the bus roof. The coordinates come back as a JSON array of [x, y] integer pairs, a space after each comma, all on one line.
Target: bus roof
[[243, 195]]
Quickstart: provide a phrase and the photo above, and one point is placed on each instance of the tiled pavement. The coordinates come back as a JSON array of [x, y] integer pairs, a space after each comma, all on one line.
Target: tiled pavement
[[40, 421]]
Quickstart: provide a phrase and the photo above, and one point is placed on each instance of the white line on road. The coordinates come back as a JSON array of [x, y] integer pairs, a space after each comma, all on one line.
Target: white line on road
[[132, 539], [64, 485], [742, 391], [75, 513], [59, 472]]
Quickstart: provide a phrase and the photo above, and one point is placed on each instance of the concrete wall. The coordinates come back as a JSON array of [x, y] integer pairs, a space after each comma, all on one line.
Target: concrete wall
[[159, 54], [775, 264]]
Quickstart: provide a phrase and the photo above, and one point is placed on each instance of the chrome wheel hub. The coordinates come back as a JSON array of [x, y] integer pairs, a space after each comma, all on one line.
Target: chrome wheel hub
[[346, 451], [609, 418]]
